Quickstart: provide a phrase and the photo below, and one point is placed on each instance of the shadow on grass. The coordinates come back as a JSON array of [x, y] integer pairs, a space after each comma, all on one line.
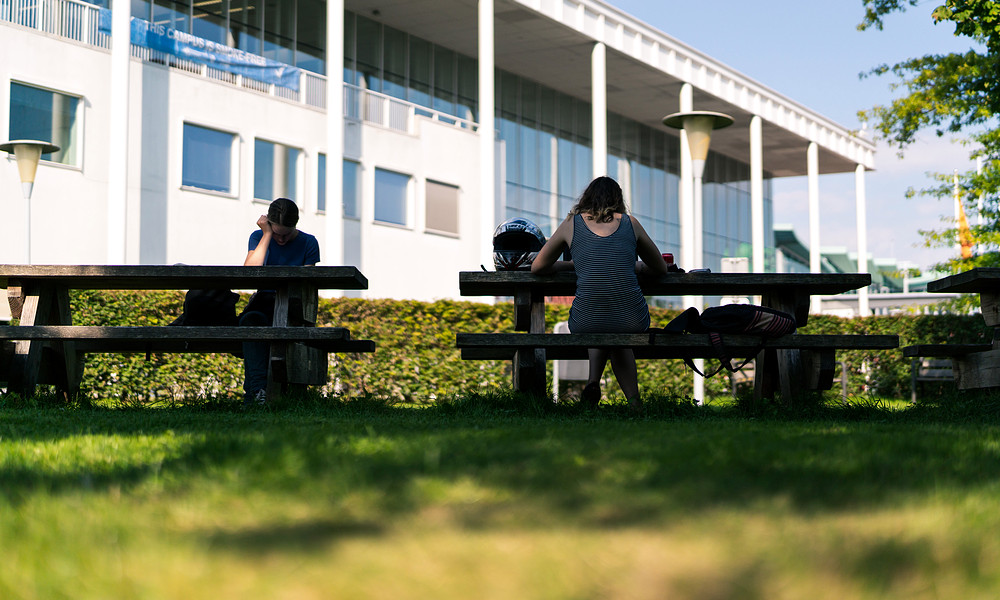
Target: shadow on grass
[[302, 536], [506, 461]]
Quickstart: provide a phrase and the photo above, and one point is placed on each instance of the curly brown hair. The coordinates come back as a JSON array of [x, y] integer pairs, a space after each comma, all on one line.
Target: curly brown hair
[[602, 199]]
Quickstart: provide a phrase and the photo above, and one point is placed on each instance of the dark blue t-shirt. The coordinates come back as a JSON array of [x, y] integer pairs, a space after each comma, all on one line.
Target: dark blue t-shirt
[[303, 250]]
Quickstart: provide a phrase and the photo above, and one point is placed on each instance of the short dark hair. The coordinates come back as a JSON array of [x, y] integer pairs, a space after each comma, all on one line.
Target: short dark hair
[[283, 212]]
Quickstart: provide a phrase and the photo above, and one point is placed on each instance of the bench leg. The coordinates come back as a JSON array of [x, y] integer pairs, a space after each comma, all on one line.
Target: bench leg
[[764, 380], [803, 373], [529, 372], [819, 366], [26, 363]]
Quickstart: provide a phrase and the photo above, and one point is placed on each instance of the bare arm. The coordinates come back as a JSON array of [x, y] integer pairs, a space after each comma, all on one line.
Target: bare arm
[[255, 258], [652, 260], [547, 260]]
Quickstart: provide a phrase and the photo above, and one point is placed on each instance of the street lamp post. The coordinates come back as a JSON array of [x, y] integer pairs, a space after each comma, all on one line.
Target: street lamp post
[[698, 126], [27, 153]]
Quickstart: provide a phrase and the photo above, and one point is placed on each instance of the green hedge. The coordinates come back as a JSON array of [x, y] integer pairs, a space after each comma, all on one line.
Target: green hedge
[[416, 359]]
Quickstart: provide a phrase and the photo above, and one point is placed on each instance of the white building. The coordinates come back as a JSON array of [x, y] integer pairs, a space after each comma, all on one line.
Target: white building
[[450, 116]]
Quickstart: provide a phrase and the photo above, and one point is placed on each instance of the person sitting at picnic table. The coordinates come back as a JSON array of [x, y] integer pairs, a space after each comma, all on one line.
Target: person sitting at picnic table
[[604, 241], [275, 242]]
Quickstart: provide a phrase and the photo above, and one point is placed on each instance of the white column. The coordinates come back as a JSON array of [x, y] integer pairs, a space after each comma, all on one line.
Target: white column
[[121, 41], [332, 252], [690, 257], [686, 260], [812, 175], [487, 133], [599, 102], [757, 193], [861, 203]]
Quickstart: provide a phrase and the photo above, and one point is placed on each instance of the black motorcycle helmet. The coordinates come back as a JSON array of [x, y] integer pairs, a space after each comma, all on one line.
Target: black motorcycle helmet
[[516, 243]]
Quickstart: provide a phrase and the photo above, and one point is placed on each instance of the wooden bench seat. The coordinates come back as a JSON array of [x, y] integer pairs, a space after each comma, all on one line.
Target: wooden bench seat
[[298, 354], [814, 355], [497, 346], [96, 339], [944, 350]]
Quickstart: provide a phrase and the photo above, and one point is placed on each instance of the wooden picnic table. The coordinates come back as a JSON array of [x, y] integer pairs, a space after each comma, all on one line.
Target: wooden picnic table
[[47, 346], [974, 365], [779, 367]]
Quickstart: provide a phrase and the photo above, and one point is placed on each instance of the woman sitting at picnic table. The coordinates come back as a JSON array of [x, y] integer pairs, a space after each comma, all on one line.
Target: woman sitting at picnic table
[[275, 242], [604, 241]]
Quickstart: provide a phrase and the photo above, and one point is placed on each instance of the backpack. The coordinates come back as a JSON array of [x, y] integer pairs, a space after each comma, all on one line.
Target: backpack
[[735, 319], [209, 307]]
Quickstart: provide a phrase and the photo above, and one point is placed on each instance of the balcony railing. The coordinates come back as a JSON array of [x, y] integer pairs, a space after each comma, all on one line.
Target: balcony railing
[[70, 19], [79, 21]]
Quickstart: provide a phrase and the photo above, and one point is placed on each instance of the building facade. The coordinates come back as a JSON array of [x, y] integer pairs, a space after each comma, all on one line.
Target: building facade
[[451, 116]]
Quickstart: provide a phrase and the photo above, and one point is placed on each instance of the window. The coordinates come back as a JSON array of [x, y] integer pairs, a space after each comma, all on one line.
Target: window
[[321, 184], [38, 114], [275, 171], [352, 189], [391, 194], [442, 208], [208, 159]]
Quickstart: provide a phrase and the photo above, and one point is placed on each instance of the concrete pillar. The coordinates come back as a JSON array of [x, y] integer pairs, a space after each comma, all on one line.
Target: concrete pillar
[[489, 211], [686, 260], [599, 104], [812, 175], [332, 251], [121, 44], [861, 203], [690, 257], [757, 194]]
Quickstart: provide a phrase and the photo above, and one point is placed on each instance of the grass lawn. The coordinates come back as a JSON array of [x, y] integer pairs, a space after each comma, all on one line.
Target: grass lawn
[[499, 498]]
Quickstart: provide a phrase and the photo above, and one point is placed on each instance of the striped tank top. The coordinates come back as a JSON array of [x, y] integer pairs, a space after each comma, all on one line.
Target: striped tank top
[[608, 298]]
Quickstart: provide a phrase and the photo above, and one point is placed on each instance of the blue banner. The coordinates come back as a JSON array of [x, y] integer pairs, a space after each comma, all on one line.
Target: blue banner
[[196, 49]]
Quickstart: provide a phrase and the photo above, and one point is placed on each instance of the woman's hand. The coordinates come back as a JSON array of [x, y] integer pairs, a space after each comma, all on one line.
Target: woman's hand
[[264, 224]]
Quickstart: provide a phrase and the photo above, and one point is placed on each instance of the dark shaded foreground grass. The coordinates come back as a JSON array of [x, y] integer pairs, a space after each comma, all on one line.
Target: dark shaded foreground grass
[[498, 496]]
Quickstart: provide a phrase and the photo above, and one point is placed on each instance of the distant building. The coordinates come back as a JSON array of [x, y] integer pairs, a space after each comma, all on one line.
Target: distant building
[[892, 289]]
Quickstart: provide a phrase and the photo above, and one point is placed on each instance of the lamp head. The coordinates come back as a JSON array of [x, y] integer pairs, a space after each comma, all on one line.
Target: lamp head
[[27, 153], [698, 125]]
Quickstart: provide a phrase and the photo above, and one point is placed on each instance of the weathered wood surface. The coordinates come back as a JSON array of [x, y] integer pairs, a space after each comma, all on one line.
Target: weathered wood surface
[[972, 281], [503, 283], [789, 292], [497, 346], [944, 350], [186, 338], [978, 370], [181, 277], [39, 295]]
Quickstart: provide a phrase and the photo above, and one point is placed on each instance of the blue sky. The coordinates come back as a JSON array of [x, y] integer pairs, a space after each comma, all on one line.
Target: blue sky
[[811, 52]]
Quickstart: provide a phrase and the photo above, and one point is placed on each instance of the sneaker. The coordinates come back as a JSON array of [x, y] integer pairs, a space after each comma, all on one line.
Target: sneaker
[[255, 399], [591, 395]]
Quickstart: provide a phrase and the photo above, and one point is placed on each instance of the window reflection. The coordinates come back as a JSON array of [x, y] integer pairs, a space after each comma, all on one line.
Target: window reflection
[[39, 114], [391, 196], [207, 162], [275, 171]]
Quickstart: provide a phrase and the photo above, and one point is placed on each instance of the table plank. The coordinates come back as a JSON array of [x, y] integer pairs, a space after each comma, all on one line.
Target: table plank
[[503, 283], [980, 279], [181, 277]]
